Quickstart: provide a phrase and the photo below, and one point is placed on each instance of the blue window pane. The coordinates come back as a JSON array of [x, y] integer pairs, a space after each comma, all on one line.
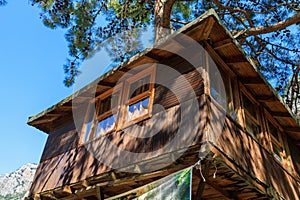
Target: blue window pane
[[138, 109], [88, 131], [106, 125]]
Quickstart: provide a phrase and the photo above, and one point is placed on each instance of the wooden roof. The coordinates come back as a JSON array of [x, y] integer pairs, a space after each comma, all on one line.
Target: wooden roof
[[222, 47]]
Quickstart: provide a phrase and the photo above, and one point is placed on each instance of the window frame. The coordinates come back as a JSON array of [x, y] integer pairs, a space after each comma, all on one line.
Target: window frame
[[121, 109], [110, 112], [281, 142], [86, 120], [233, 105], [150, 71], [247, 115]]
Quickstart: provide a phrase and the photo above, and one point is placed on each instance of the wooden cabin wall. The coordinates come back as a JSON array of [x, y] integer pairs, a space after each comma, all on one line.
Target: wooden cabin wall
[[295, 155], [167, 94], [251, 158], [79, 163], [60, 140], [64, 161]]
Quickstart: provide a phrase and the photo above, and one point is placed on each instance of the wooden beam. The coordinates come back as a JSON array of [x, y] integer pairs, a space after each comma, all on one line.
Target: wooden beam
[[66, 106], [53, 114], [42, 121], [113, 175], [99, 193], [106, 84], [220, 190], [48, 195], [222, 44], [85, 183], [37, 197], [208, 27], [291, 128], [252, 81], [128, 71], [266, 98], [154, 56], [67, 189], [235, 59], [215, 56], [280, 114]]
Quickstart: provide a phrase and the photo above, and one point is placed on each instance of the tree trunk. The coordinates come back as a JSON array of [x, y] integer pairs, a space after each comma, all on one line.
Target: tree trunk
[[162, 22]]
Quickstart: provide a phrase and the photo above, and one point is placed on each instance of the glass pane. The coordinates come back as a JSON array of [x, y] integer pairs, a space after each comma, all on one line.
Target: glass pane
[[217, 96], [139, 86], [277, 152], [251, 127], [138, 109], [249, 106], [106, 125], [217, 89], [234, 113], [273, 130], [87, 131], [109, 103]]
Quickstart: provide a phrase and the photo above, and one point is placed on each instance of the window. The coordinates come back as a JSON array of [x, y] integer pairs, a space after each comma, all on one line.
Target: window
[[217, 87], [139, 97], [107, 111], [276, 141], [127, 103], [88, 126], [251, 116]]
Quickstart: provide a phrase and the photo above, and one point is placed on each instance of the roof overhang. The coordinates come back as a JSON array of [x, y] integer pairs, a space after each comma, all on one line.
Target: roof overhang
[[209, 31]]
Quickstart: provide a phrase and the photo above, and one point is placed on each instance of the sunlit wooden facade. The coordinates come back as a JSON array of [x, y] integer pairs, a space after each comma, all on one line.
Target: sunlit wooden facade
[[257, 156]]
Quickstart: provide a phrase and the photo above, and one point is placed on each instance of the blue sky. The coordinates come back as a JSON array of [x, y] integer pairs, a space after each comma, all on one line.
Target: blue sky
[[31, 79]]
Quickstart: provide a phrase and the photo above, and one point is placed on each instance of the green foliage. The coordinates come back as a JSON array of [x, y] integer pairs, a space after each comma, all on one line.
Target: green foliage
[[86, 29], [16, 196], [89, 23], [3, 2]]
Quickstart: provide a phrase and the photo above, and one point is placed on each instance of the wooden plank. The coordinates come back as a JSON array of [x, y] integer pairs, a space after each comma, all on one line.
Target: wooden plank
[[266, 98], [222, 44], [280, 114], [37, 197], [216, 57], [67, 189], [99, 193], [252, 81], [292, 128], [221, 190], [85, 183], [106, 84], [208, 27], [235, 59], [42, 121]]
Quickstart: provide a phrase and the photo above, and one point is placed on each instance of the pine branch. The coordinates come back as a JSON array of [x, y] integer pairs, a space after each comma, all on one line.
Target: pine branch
[[268, 29]]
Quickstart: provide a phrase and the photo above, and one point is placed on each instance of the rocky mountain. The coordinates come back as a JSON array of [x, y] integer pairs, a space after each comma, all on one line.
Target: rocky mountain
[[14, 185]]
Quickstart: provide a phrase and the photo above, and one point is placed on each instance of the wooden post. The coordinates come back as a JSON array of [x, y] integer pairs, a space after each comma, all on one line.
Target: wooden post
[[99, 193]]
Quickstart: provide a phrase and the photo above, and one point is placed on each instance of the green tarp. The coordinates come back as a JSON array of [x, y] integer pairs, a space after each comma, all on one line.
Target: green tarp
[[176, 186]]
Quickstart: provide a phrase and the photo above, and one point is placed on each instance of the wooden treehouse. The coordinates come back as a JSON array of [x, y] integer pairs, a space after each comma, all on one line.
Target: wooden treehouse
[[256, 152]]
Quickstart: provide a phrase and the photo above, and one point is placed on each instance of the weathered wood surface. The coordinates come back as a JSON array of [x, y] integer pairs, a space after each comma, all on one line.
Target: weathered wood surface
[[79, 163], [250, 157], [65, 137], [254, 164], [295, 154]]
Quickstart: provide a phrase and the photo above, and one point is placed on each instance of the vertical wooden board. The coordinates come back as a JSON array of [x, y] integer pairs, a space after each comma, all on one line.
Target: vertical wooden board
[[256, 161], [43, 174], [60, 141], [174, 89]]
